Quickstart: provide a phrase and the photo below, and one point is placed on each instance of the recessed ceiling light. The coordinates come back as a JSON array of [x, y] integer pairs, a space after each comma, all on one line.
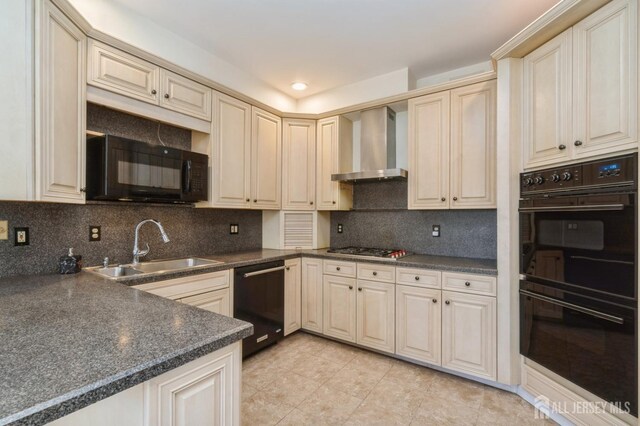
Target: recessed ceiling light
[[298, 85]]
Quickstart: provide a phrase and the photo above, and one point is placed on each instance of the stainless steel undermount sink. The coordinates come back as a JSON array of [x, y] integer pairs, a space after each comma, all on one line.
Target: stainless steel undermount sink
[[152, 267]]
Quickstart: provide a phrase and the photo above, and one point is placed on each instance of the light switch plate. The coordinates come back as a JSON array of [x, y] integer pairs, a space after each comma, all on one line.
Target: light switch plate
[[4, 230]]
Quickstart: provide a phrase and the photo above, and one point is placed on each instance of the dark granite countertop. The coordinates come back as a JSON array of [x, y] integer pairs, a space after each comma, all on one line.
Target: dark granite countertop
[[69, 341], [252, 257], [442, 263]]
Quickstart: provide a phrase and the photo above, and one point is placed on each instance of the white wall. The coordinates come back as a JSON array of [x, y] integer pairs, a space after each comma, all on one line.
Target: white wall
[[16, 136], [139, 31], [454, 74], [381, 86]]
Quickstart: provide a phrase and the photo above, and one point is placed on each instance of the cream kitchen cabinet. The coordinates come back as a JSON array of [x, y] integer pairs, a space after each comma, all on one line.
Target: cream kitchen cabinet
[[292, 295], [452, 149], [186, 96], [231, 153], [334, 155], [469, 334], [429, 127], [580, 94], [119, 72], [375, 319], [218, 301], [418, 323], [60, 107], [298, 164], [473, 147], [266, 160], [339, 306], [312, 295]]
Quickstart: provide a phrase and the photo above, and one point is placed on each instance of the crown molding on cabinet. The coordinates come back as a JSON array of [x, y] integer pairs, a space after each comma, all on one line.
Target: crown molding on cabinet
[[93, 33], [557, 19]]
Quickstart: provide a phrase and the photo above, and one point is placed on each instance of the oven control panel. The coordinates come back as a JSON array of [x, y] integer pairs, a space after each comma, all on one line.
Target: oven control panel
[[618, 170]]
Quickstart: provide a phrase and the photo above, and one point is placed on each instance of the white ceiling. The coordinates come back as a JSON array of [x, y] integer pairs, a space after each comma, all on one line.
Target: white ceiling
[[330, 43]]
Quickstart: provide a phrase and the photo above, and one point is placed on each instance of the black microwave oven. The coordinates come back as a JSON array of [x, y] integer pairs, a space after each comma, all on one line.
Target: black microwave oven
[[128, 170]]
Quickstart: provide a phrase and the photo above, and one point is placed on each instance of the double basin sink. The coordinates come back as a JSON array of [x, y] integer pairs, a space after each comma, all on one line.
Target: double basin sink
[[152, 268]]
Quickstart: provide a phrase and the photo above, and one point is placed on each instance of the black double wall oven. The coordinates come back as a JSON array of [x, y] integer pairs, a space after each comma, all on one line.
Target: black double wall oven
[[578, 287]]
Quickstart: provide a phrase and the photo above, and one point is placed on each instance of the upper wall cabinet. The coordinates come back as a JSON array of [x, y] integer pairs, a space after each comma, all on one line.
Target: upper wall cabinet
[[452, 149], [266, 160], [334, 155], [231, 153], [473, 147], [298, 164], [60, 107], [580, 90], [246, 152], [128, 75]]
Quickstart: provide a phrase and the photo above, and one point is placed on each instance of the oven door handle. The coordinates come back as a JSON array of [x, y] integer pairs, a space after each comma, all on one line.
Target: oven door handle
[[588, 208], [264, 271], [591, 312]]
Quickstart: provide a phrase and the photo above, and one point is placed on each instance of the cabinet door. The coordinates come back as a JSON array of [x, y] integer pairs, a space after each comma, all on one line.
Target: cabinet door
[[469, 334], [429, 151], [312, 295], [418, 323], [547, 103], [292, 296], [339, 307], [231, 186], [298, 164], [214, 301], [119, 72], [376, 315], [605, 80], [266, 152], [334, 155], [203, 392], [473, 146], [186, 96], [60, 108]]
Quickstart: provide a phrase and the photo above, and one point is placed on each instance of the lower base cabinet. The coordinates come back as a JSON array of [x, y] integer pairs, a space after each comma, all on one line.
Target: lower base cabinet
[[312, 306], [204, 392], [418, 323], [339, 316], [292, 296], [375, 308], [469, 334]]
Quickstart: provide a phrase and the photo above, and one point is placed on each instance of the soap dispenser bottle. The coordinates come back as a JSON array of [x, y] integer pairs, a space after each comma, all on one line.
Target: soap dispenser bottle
[[71, 263]]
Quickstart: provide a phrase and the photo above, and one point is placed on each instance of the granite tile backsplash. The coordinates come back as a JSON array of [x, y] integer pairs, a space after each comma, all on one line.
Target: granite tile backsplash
[[53, 228], [380, 219]]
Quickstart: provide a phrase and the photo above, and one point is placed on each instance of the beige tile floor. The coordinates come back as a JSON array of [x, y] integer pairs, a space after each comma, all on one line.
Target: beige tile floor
[[308, 380]]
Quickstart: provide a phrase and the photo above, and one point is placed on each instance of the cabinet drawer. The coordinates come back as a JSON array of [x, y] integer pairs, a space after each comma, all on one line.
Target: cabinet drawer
[[340, 268], [217, 301], [374, 272], [187, 286], [419, 277], [467, 283]]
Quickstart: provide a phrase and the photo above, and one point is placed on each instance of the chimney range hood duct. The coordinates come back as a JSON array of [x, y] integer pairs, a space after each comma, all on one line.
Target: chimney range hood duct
[[377, 148]]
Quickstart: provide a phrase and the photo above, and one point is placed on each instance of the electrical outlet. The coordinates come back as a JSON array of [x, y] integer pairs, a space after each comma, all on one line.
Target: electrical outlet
[[234, 229], [95, 233], [340, 228], [435, 230], [21, 236], [4, 230]]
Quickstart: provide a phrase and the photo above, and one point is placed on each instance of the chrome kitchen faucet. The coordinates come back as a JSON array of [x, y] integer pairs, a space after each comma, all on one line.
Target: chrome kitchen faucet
[[137, 253]]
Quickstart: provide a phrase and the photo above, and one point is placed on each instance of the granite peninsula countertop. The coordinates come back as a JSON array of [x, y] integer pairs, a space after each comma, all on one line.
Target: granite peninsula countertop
[[69, 341]]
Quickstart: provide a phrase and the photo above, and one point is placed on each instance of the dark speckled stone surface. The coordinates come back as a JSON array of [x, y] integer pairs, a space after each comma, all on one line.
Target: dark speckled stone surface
[[69, 341], [56, 227]]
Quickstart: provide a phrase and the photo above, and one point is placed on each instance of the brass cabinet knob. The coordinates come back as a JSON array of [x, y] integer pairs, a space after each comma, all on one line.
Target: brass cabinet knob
[[154, 91], [166, 96], [417, 278], [434, 300], [375, 274], [562, 147], [350, 287], [468, 284], [455, 198], [577, 143], [443, 199], [447, 302]]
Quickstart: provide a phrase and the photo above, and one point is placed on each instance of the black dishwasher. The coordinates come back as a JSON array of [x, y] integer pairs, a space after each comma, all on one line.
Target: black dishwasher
[[259, 299]]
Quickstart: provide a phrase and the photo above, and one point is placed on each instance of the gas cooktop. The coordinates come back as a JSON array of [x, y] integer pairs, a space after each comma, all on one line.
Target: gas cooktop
[[376, 253]]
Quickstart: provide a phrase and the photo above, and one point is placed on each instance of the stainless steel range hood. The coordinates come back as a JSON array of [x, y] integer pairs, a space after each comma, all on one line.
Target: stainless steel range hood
[[377, 148]]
